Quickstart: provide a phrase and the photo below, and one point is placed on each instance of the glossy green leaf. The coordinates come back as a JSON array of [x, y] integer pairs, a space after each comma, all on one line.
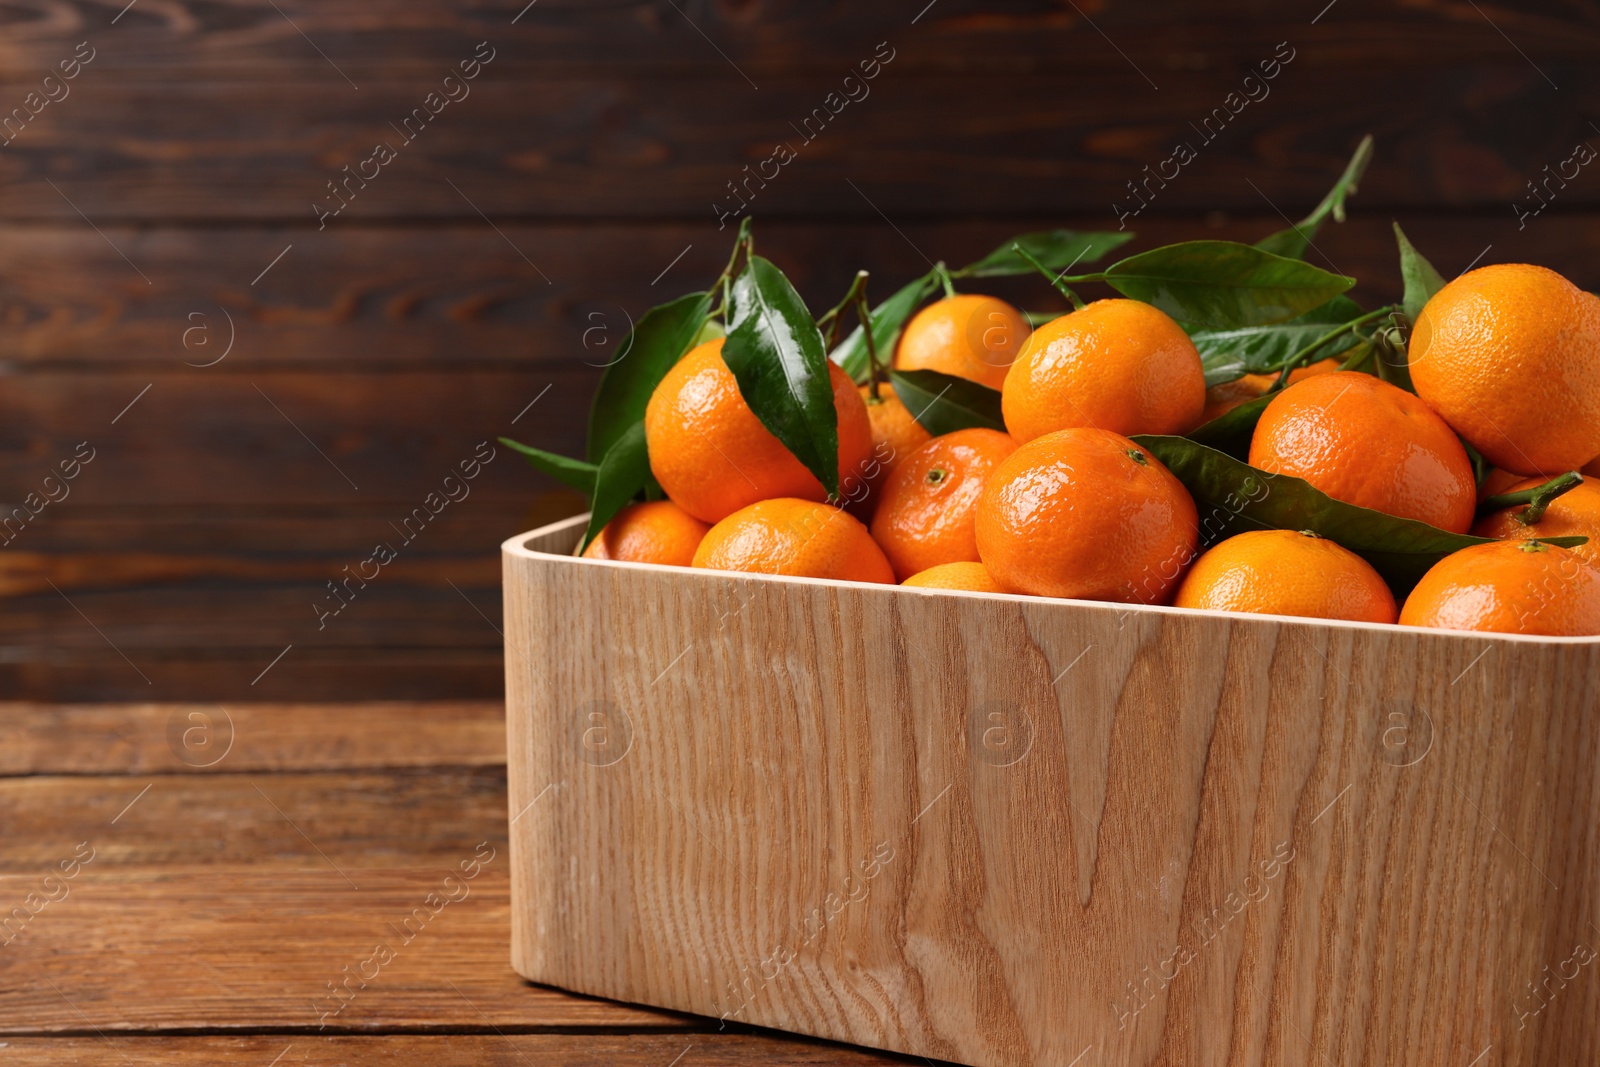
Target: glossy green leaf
[[1421, 280], [943, 403], [1233, 497], [1294, 241], [1230, 354], [775, 351], [657, 341], [573, 472], [623, 473], [887, 320], [1223, 285], [1057, 250]]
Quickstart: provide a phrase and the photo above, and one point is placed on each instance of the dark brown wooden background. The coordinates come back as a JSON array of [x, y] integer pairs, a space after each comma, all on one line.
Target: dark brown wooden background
[[192, 548]]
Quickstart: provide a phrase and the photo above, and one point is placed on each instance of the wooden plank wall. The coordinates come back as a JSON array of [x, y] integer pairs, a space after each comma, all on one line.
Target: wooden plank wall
[[162, 204]]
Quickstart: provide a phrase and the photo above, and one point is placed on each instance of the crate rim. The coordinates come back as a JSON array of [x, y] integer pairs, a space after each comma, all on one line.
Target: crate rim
[[517, 546]]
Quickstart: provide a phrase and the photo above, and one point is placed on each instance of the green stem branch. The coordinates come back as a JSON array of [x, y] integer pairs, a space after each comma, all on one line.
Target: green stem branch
[[1537, 498], [1294, 361], [864, 314], [1054, 279]]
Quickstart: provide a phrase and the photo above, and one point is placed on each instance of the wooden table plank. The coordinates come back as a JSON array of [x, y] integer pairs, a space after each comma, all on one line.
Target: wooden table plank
[[197, 948], [459, 1050], [411, 819], [417, 38], [134, 738], [194, 150]]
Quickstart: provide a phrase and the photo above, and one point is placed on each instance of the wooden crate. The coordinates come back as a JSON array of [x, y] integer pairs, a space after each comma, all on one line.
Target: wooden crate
[[1008, 830]]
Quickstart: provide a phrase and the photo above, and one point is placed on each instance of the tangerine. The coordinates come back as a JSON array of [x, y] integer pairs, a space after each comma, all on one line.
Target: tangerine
[[973, 577], [1574, 513], [1509, 587], [1284, 572], [1221, 399], [1088, 514], [797, 538], [657, 531], [1121, 366], [926, 512], [896, 433], [1509, 355], [712, 454], [1368, 443], [969, 336]]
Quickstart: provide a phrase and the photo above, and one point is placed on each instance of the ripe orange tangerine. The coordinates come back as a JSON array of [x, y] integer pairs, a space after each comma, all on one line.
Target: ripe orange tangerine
[[1117, 365], [1283, 572], [896, 433], [1509, 355], [1510, 587], [973, 577], [1368, 443], [1221, 399], [712, 454], [929, 504], [798, 538], [1574, 513], [970, 336], [1088, 514], [657, 531]]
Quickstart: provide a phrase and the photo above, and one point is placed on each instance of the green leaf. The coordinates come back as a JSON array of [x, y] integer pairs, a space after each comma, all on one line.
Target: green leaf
[[1058, 250], [1230, 354], [775, 351], [944, 403], [1224, 285], [1294, 241], [623, 473], [657, 341], [573, 472], [887, 320], [1422, 281], [1233, 497], [1231, 431]]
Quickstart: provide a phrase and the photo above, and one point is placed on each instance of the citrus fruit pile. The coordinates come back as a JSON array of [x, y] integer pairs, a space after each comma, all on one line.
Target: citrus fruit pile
[[1226, 431]]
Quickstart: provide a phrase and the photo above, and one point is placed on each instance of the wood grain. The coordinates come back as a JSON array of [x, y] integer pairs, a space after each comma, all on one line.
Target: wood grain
[[133, 739], [201, 948], [506, 1049], [640, 149], [974, 826], [235, 39], [352, 821]]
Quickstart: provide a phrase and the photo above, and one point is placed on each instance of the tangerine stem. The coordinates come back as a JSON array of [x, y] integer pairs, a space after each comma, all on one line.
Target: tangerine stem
[[944, 279], [864, 314], [1054, 279], [1537, 499], [1294, 361], [745, 240]]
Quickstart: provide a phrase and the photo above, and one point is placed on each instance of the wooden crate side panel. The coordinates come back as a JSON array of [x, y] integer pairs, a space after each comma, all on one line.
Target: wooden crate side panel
[[982, 829]]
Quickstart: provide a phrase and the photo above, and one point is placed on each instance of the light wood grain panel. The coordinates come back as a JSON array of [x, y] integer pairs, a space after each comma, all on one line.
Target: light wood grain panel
[[133, 738], [1156, 836]]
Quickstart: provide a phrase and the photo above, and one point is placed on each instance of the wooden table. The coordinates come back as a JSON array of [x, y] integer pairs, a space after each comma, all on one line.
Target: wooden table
[[189, 898]]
